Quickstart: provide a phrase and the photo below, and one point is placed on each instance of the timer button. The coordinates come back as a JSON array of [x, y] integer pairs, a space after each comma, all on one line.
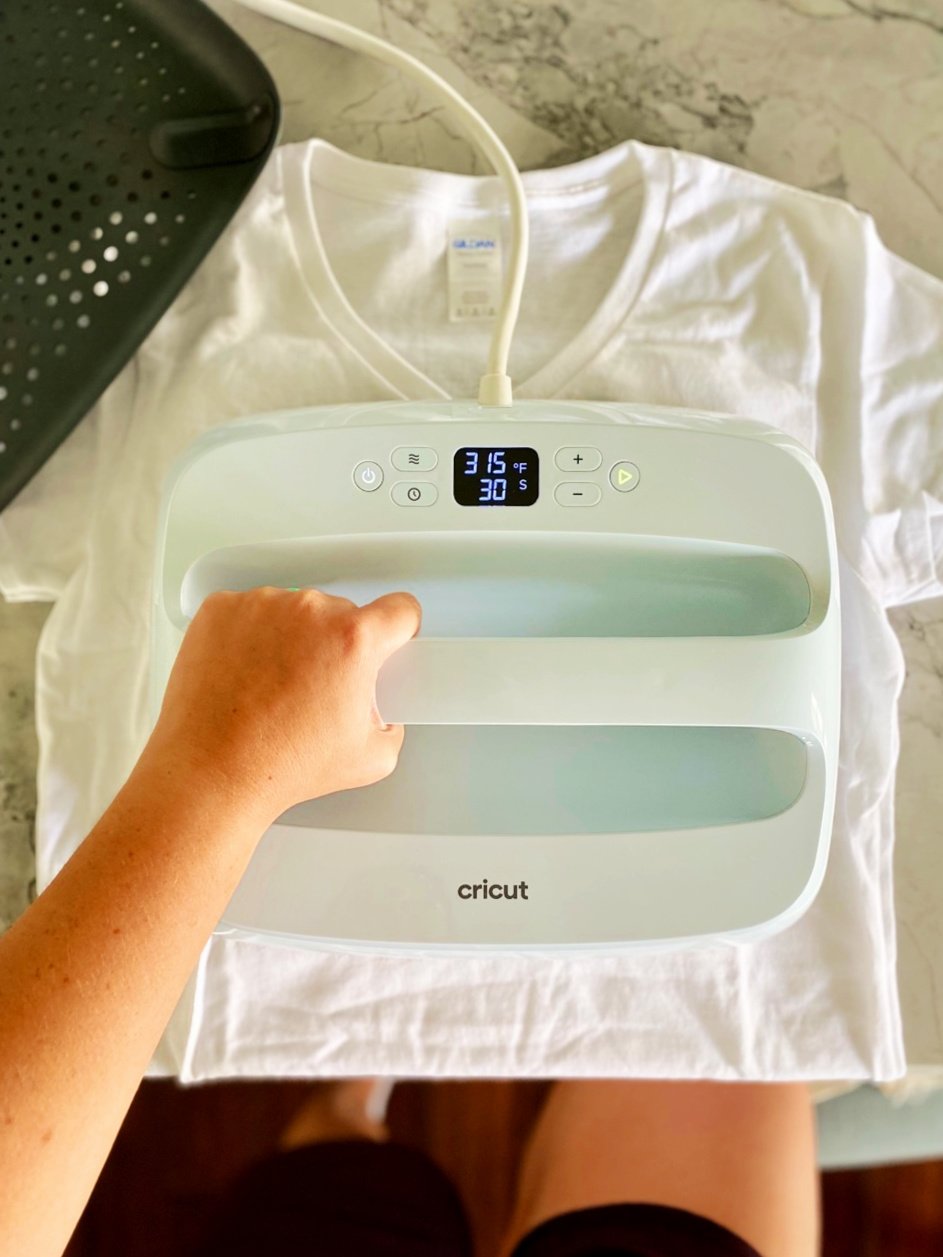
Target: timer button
[[420, 494], [414, 458], [578, 458], [577, 493], [368, 476], [624, 477]]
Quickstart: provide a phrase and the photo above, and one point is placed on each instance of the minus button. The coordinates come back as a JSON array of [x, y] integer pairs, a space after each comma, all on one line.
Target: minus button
[[577, 493]]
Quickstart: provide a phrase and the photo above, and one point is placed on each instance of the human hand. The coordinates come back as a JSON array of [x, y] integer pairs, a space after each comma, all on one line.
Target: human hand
[[273, 693]]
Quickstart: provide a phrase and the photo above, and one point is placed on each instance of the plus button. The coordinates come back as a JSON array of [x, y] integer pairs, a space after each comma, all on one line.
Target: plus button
[[578, 458]]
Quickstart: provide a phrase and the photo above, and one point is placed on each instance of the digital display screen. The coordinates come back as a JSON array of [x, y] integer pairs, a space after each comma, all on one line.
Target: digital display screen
[[496, 477]]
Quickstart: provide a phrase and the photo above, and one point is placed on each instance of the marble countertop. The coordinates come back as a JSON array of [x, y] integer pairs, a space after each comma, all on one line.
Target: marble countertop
[[841, 96]]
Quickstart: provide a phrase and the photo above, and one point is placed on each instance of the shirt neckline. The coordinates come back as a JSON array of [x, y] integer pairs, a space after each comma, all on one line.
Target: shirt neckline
[[608, 172]]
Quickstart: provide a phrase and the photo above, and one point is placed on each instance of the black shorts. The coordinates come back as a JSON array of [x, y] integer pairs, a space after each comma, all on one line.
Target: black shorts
[[360, 1199]]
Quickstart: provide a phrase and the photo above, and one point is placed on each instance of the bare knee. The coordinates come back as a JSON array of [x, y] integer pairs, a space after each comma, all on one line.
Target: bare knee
[[742, 1154]]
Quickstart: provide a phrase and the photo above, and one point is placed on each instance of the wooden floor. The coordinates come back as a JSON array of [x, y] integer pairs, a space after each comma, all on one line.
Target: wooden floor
[[180, 1147]]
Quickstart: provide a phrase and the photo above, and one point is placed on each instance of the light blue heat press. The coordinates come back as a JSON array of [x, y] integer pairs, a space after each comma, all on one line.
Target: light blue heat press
[[623, 708]]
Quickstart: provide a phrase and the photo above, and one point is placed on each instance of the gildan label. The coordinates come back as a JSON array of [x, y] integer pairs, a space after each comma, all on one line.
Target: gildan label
[[474, 271]]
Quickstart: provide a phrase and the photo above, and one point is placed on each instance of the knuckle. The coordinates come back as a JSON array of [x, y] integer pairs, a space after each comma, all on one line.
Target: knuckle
[[381, 758], [353, 634], [392, 746], [317, 603], [216, 601], [310, 597]]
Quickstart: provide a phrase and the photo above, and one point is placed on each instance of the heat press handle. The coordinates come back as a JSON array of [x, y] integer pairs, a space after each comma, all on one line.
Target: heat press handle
[[761, 681]]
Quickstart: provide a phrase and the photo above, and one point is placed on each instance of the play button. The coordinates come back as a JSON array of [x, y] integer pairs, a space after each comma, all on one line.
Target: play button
[[624, 477]]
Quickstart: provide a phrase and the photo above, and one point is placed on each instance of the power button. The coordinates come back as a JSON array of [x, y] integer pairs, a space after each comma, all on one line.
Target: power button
[[368, 476]]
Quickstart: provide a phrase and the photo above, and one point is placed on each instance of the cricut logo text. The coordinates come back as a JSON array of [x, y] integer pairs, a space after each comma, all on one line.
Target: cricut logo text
[[492, 890]]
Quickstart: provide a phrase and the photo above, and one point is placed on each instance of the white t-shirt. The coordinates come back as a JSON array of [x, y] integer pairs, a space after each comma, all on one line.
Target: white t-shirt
[[655, 276]]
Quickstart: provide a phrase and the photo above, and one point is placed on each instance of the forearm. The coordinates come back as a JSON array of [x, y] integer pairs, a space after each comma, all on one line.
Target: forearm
[[89, 977], [273, 693]]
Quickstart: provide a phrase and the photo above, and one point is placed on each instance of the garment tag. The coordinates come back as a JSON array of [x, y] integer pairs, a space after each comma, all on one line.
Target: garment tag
[[474, 271]]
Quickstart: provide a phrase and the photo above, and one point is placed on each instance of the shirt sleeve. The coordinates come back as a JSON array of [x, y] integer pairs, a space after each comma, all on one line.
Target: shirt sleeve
[[901, 398], [43, 531]]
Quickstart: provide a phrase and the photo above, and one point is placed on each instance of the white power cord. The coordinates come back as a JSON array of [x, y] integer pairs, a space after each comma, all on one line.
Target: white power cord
[[494, 388]]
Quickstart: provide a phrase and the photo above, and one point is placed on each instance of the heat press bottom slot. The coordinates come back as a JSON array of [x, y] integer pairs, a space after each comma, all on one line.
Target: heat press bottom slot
[[528, 779]]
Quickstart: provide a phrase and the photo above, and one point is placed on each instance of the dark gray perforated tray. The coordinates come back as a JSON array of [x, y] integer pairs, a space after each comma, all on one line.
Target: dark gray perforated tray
[[130, 131]]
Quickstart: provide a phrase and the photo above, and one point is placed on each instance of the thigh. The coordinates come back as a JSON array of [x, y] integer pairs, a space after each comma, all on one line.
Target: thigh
[[740, 1154], [339, 1199]]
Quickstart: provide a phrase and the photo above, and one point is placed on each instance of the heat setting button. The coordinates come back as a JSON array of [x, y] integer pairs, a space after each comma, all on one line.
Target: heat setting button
[[414, 458], [368, 476]]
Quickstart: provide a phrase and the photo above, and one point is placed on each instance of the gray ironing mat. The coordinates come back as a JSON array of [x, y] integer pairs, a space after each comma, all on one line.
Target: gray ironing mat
[[130, 131]]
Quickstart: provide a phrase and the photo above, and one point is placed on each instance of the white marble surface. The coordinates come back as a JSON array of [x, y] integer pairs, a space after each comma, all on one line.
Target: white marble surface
[[841, 96]]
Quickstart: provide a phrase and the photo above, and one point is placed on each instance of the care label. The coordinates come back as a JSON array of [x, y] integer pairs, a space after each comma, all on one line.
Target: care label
[[474, 271]]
